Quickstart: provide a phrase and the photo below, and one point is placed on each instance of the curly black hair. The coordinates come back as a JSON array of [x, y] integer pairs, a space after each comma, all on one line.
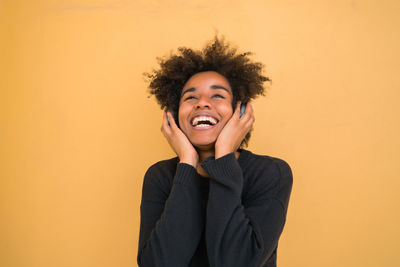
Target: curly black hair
[[244, 76]]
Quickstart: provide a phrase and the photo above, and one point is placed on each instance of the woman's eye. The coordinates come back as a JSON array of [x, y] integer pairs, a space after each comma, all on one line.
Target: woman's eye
[[189, 97], [219, 96]]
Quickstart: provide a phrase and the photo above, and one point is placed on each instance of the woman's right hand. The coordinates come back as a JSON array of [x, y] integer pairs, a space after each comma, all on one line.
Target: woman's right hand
[[178, 141]]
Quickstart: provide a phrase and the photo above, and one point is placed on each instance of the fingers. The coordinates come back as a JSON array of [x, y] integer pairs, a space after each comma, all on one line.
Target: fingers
[[249, 112], [172, 122], [237, 110], [248, 119], [165, 129]]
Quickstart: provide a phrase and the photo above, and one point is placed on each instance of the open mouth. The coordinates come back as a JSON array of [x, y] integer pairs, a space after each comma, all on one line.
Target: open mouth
[[204, 122]]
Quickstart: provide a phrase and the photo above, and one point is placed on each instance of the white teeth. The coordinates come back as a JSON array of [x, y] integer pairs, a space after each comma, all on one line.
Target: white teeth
[[202, 125], [204, 118]]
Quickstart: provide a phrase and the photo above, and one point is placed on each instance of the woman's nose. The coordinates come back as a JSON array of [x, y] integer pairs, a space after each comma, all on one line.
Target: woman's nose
[[203, 102]]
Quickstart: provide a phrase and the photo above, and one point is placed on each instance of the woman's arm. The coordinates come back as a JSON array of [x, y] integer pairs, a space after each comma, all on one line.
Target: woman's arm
[[171, 225], [245, 234]]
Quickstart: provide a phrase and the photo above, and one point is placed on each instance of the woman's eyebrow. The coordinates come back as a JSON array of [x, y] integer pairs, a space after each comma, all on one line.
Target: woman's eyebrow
[[188, 90], [192, 89], [219, 87]]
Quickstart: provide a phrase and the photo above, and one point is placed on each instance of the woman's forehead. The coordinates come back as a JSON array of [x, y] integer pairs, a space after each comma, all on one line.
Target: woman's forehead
[[208, 79]]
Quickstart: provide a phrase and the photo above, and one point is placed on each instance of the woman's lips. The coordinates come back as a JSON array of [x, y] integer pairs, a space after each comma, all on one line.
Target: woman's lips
[[197, 118], [202, 127]]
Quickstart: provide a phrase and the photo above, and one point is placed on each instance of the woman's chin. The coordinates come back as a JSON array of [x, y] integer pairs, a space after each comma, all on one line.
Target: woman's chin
[[204, 145]]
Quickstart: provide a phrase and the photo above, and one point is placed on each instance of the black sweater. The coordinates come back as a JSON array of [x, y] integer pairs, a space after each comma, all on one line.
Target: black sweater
[[233, 218]]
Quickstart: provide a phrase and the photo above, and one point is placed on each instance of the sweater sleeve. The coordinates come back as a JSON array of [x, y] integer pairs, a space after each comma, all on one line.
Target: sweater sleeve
[[245, 234], [170, 225]]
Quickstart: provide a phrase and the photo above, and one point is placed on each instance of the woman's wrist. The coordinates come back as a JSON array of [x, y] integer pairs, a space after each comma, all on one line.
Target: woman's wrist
[[188, 160], [222, 151]]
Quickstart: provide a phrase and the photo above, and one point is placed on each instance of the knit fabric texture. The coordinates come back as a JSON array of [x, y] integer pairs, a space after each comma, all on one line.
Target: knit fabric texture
[[233, 218]]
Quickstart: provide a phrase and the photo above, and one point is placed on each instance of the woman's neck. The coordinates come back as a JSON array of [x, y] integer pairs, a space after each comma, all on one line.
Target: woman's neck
[[203, 155]]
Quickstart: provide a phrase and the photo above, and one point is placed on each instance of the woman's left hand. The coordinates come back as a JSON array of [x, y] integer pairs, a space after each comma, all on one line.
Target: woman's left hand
[[235, 131]]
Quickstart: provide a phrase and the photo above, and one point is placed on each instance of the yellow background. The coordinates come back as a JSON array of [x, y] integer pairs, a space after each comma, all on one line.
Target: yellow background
[[77, 131]]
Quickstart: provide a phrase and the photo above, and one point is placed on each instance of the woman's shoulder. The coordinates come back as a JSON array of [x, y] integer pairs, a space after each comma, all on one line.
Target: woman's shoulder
[[164, 164], [254, 160], [267, 176], [159, 176], [163, 168], [266, 168]]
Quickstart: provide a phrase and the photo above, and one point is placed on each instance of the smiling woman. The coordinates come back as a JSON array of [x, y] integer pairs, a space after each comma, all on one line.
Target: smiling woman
[[215, 204]]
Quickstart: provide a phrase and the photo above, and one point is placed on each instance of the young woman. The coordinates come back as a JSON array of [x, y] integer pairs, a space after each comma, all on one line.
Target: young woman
[[215, 204]]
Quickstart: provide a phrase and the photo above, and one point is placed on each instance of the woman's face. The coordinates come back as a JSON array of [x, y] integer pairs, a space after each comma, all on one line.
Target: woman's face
[[205, 107]]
